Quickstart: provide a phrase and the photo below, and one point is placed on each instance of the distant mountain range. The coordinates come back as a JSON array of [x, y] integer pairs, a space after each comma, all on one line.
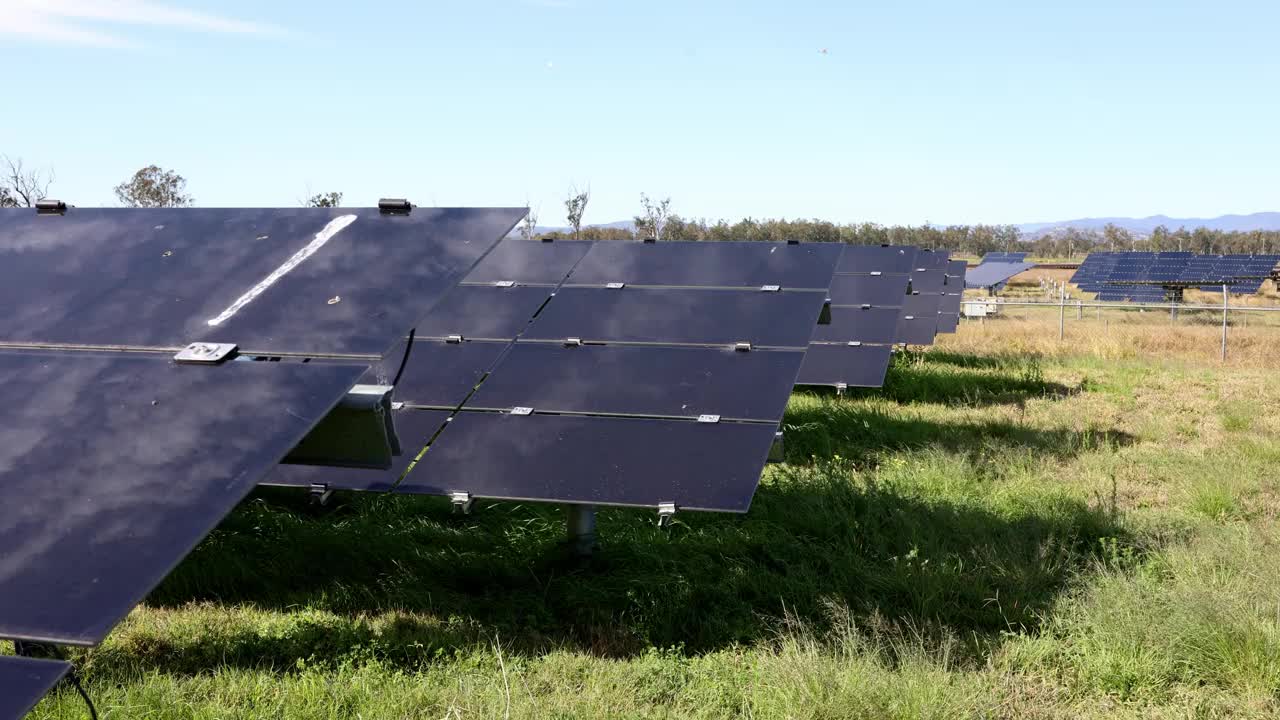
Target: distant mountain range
[[1137, 226], [1144, 226]]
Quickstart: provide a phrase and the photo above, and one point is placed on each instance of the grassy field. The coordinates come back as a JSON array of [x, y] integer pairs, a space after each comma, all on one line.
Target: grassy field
[[1013, 528]]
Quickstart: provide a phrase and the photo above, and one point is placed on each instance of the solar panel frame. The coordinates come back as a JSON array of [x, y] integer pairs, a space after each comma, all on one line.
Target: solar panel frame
[[24, 681], [149, 456], [273, 281]]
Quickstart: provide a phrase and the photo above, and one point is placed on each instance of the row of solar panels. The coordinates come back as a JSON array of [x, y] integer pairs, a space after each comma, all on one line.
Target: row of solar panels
[[1006, 257], [551, 372], [1105, 273]]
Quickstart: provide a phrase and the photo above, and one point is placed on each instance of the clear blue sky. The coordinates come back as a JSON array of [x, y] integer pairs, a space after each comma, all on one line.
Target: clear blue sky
[[976, 111]]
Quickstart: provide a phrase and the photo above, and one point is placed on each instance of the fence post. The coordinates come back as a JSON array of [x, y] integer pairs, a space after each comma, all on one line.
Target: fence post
[[1224, 323], [1062, 311], [1079, 309]]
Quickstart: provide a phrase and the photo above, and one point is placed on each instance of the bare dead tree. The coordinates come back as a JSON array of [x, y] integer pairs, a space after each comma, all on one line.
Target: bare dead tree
[[654, 220], [575, 206], [22, 187], [529, 226]]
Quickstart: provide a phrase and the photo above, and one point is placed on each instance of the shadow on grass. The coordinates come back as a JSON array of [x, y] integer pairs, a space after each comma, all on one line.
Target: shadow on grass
[[950, 378], [403, 580], [864, 432]]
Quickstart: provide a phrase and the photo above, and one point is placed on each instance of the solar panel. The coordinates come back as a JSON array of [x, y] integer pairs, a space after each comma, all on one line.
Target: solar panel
[[483, 312], [272, 281], [877, 326], [889, 259], [876, 290], [991, 274], [950, 303], [642, 380], [928, 281], [708, 264], [918, 322], [23, 681], [115, 466], [442, 374], [415, 428], [948, 322], [596, 460], [1004, 257], [848, 365], [678, 316], [529, 262]]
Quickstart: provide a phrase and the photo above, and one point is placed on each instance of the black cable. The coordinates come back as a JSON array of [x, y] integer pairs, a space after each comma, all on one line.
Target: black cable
[[408, 348], [74, 679]]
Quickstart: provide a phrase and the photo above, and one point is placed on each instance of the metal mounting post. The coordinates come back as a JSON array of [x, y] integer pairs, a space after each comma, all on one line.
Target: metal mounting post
[[582, 529]]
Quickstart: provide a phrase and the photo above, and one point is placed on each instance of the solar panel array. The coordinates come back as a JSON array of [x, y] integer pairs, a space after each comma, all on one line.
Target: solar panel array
[[1106, 273], [633, 374], [605, 374]]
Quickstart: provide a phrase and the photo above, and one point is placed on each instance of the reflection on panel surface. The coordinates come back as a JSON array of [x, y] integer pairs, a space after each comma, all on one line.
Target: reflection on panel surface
[[596, 460], [855, 366], [709, 264], [874, 290], [303, 280], [712, 317], [642, 380], [114, 467], [529, 262], [483, 311]]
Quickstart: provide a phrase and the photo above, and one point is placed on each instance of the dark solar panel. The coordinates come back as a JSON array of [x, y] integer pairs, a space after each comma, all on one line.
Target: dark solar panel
[[867, 325], [23, 681], [991, 274], [642, 380], [876, 290], [918, 323], [414, 427], [483, 312], [708, 264], [529, 262], [596, 460], [1004, 257], [115, 466], [850, 365], [950, 303], [679, 316], [893, 259], [442, 374], [927, 281], [295, 280], [948, 322]]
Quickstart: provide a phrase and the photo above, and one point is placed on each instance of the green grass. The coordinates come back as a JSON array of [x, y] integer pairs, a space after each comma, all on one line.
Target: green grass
[[988, 536]]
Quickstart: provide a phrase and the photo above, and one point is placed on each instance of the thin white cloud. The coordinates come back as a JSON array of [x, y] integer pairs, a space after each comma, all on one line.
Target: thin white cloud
[[90, 22]]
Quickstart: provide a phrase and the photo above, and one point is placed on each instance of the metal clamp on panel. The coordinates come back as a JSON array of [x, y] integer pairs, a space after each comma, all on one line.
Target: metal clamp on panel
[[908, 317], [866, 306], [876, 273], [51, 207], [504, 283], [521, 410], [320, 493], [573, 342], [841, 387], [615, 285], [462, 502], [708, 418], [742, 346], [394, 206], [855, 343], [793, 242], [200, 353], [770, 288], [455, 339], [666, 511]]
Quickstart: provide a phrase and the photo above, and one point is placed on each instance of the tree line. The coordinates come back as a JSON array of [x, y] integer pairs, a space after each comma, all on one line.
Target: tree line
[[154, 186]]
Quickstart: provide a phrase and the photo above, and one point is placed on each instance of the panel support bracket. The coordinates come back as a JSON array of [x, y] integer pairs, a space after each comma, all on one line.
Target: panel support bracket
[[320, 494], [666, 511], [462, 502], [359, 433], [777, 451]]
